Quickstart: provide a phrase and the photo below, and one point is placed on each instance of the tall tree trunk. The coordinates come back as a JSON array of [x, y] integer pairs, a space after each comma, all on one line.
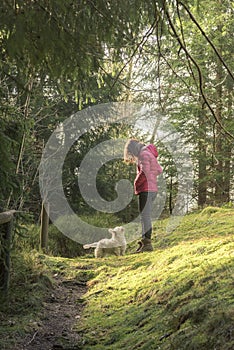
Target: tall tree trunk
[[202, 159], [223, 146], [227, 177]]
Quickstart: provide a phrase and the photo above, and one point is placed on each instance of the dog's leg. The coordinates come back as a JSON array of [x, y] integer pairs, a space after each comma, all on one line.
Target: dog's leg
[[99, 253], [116, 251], [122, 250]]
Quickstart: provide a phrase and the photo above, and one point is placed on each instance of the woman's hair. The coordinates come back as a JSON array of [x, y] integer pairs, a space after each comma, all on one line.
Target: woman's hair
[[131, 150]]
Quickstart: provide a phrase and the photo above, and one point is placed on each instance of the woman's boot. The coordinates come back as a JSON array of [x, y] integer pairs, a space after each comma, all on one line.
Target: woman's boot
[[147, 246]]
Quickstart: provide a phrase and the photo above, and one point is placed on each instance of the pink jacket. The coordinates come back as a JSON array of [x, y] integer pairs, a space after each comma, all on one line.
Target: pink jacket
[[148, 169]]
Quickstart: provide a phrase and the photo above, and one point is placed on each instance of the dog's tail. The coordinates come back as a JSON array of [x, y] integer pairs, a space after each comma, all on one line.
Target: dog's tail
[[92, 245]]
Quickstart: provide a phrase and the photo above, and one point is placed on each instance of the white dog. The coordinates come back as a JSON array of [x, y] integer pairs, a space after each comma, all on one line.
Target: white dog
[[115, 245]]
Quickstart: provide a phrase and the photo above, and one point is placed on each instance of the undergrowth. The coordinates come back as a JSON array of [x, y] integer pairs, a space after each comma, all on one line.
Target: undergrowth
[[20, 307]]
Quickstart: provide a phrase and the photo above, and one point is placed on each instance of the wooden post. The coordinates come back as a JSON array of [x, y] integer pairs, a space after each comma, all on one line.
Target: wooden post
[[6, 220], [44, 226]]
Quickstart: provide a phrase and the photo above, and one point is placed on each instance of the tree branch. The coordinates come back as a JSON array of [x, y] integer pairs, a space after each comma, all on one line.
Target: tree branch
[[142, 42], [182, 33], [183, 47], [209, 41]]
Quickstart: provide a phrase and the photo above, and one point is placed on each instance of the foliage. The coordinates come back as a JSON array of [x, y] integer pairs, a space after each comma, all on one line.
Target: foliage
[[108, 175], [186, 74], [86, 53], [29, 285], [11, 130], [74, 32]]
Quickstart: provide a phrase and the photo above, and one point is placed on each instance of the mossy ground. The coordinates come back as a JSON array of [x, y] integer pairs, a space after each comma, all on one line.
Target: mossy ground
[[180, 296]]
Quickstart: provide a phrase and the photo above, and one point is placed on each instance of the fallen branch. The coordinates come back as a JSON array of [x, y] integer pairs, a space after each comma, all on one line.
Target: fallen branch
[[31, 340]]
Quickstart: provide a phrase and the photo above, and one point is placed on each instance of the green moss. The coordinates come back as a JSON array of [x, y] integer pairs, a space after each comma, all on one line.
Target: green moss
[[180, 296], [167, 299]]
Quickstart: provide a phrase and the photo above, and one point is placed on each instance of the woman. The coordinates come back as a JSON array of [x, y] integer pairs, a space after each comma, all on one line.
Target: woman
[[145, 184]]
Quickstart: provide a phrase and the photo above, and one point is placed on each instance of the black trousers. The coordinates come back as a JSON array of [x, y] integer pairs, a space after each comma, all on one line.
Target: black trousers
[[145, 203]]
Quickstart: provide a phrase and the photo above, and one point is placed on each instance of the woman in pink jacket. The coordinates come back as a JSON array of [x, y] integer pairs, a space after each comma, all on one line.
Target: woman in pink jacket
[[145, 184]]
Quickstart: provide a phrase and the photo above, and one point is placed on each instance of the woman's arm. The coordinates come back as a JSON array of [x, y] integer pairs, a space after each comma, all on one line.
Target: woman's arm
[[143, 169]]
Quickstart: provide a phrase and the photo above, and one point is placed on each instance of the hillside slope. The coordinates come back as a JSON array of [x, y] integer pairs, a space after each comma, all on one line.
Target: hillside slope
[[178, 297]]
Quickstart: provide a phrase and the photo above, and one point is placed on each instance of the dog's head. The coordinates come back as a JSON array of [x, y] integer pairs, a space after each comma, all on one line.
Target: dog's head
[[117, 231]]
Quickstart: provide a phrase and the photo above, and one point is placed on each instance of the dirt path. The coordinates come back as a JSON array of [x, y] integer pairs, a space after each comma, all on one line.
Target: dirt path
[[59, 317]]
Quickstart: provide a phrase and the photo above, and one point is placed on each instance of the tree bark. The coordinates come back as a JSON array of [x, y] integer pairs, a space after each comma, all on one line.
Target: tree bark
[[5, 245], [44, 226], [202, 160]]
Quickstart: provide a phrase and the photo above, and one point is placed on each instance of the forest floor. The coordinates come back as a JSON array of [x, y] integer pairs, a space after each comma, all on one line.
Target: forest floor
[[58, 318], [180, 296]]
